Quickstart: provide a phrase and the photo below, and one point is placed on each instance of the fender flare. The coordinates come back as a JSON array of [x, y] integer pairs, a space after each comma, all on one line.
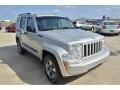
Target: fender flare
[[57, 52]]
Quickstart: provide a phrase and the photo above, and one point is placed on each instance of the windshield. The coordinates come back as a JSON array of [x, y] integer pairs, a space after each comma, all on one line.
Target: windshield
[[51, 23], [110, 23]]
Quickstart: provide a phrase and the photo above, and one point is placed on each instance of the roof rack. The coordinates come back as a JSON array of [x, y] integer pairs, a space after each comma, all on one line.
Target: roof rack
[[24, 14]]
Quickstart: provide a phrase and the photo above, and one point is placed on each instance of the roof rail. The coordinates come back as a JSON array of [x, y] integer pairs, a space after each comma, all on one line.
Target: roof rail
[[24, 14]]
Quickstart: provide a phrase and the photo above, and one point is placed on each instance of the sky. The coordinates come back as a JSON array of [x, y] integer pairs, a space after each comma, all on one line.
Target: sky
[[71, 11]]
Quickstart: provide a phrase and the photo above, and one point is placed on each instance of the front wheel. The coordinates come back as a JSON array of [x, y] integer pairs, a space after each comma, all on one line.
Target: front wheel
[[52, 69]]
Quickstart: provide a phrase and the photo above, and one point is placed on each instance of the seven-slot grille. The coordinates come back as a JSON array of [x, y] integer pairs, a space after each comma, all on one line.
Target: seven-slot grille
[[91, 48]]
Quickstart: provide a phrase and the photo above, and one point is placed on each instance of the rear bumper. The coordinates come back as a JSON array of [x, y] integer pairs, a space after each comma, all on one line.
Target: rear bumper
[[91, 62], [108, 31]]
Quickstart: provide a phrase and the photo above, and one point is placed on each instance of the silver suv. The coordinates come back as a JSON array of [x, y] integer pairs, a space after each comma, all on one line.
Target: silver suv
[[64, 50]]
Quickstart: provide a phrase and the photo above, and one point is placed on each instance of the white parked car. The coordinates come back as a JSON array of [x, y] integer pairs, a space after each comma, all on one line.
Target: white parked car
[[88, 27], [84, 26], [64, 50], [110, 27]]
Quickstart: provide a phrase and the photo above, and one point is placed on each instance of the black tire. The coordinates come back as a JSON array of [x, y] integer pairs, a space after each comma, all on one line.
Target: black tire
[[58, 77], [21, 50], [117, 34]]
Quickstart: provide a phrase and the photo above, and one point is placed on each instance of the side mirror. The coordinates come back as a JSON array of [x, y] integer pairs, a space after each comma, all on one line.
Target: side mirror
[[77, 27], [30, 29]]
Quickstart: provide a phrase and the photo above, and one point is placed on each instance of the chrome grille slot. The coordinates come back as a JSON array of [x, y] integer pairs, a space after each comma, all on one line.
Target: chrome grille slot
[[88, 49], [91, 48], [85, 51]]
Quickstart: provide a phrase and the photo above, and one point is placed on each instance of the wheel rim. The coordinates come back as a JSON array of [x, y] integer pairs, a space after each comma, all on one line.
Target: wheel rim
[[50, 69], [19, 46]]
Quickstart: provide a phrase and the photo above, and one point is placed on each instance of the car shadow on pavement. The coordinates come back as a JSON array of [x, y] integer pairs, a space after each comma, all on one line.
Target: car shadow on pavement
[[109, 35], [67, 80], [28, 67]]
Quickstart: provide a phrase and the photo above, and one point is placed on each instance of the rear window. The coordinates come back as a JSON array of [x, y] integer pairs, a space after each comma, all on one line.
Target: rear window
[[110, 23]]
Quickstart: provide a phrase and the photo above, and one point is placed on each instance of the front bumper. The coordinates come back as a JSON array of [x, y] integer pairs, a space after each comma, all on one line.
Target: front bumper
[[89, 63]]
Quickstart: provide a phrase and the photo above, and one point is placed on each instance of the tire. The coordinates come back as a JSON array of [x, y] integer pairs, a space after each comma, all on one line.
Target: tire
[[21, 50], [52, 71], [117, 34]]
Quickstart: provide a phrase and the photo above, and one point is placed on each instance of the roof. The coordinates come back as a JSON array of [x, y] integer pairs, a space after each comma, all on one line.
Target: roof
[[49, 16]]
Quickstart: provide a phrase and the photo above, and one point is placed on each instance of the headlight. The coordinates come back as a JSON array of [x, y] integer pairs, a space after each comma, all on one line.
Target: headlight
[[76, 50]]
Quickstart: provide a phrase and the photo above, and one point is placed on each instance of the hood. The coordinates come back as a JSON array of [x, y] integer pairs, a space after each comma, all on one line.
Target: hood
[[68, 35]]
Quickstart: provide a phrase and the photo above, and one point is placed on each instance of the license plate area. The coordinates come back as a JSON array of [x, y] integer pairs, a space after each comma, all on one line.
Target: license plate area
[[111, 30]]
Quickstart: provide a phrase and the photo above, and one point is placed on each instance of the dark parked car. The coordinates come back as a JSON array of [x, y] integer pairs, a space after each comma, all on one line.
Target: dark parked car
[[11, 28]]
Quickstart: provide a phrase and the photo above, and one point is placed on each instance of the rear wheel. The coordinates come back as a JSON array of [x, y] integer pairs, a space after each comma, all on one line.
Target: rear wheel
[[20, 49], [52, 69]]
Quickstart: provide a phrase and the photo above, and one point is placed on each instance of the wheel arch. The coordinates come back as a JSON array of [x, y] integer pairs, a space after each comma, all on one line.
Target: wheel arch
[[56, 52]]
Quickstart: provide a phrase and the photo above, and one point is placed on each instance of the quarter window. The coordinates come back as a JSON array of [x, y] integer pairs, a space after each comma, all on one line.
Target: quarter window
[[22, 22], [18, 22]]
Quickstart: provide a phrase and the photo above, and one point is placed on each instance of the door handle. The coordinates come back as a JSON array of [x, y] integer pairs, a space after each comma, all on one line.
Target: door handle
[[40, 35], [18, 30]]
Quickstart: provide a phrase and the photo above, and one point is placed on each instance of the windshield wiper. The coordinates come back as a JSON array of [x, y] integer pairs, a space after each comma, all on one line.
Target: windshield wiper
[[50, 29], [67, 28]]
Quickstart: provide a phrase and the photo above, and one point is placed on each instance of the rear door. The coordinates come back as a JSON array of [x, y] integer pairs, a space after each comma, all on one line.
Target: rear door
[[22, 30]]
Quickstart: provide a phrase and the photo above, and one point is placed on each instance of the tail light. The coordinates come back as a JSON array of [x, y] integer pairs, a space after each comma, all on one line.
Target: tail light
[[104, 27], [118, 27]]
